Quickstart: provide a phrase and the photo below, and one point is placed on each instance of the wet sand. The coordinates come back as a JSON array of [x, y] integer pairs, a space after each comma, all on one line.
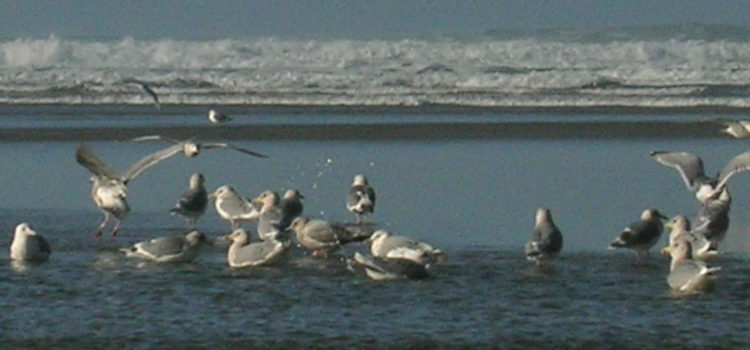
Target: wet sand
[[619, 127], [400, 131]]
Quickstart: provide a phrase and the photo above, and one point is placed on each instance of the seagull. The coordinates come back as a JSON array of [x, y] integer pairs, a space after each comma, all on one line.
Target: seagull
[[641, 235], [391, 269], [291, 207], [739, 129], [28, 245], [171, 249], [321, 236], [109, 190], [546, 240], [685, 274], [702, 248], [216, 117], [193, 203], [241, 254], [270, 215], [361, 198], [147, 89], [192, 148], [690, 168], [231, 206], [383, 244], [713, 218]]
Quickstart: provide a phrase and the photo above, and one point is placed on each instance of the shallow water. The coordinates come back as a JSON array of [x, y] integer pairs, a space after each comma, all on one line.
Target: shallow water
[[474, 198]]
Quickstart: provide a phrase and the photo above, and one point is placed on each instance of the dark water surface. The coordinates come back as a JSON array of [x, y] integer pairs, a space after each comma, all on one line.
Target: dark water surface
[[473, 198]]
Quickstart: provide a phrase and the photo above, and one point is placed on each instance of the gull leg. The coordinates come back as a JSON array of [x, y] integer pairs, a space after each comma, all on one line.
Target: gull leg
[[99, 232], [117, 227]]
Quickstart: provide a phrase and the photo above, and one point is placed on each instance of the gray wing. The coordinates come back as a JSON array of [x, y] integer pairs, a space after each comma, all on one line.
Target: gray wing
[[684, 273], [235, 206], [689, 166], [193, 200], [239, 149], [88, 159], [268, 222], [391, 268], [151, 160], [44, 247], [257, 253], [162, 246], [548, 239], [290, 209], [155, 138], [738, 164]]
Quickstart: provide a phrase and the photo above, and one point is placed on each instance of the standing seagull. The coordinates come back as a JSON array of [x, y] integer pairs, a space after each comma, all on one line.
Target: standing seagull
[[713, 218], [641, 235], [193, 203], [546, 240], [192, 148], [703, 249], [685, 274], [691, 170], [216, 117], [270, 215], [110, 189], [231, 206], [28, 245], [291, 207], [361, 198]]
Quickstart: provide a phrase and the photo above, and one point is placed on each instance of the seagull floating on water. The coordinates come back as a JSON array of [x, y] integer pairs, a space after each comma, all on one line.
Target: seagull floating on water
[[291, 207], [28, 245], [322, 237], [361, 198], [109, 190], [192, 204], [691, 170], [192, 148], [171, 249], [381, 269], [241, 253], [383, 244], [270, 215], [216, 117], [685, 274], [641, 235], [546, 240]]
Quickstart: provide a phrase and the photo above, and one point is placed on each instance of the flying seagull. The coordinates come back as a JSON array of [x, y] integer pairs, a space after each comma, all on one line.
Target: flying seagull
[[192, 148]]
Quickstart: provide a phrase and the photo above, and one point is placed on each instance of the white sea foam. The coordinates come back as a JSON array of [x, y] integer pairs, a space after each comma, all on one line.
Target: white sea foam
[[479, 72]]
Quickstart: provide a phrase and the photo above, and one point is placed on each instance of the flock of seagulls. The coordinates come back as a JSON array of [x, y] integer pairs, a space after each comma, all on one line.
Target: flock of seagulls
[[279, 219], [689, 245]]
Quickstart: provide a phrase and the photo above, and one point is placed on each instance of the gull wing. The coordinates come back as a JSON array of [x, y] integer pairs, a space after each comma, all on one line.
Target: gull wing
[[689, 166], [88, 159], [150, 160], [155, 138], [239, 149], [738, 164]]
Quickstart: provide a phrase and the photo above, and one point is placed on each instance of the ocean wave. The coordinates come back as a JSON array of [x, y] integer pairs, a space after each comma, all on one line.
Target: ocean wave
[[489, 71]]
